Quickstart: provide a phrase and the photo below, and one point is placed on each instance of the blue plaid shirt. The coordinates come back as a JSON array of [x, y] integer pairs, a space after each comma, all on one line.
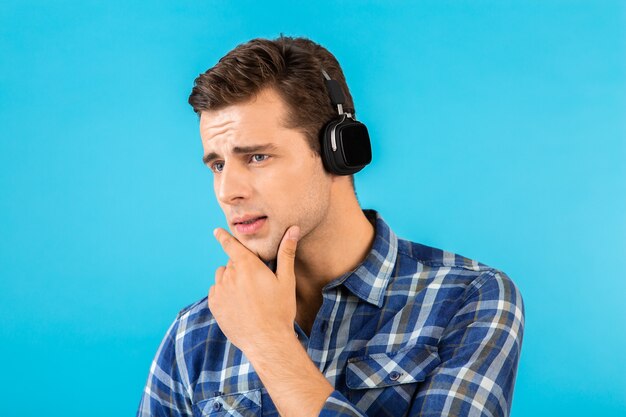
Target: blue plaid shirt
[[412, 331]]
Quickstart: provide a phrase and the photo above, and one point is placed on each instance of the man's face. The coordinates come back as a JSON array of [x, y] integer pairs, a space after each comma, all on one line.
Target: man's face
[[265, 176]]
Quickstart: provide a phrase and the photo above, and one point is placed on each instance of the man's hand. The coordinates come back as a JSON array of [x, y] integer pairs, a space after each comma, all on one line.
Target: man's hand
[[253, 306], [256, 309]]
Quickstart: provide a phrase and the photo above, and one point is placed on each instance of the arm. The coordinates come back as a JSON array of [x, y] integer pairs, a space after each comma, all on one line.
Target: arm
[[165, 393], [479, 352], [292, 380]]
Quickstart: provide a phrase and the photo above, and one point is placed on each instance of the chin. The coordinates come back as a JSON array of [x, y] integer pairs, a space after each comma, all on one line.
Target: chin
[[266, 259], [265, 256], [265, 253]]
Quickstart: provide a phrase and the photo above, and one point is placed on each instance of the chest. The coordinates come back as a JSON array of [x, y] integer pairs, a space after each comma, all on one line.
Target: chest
[[363, 352]]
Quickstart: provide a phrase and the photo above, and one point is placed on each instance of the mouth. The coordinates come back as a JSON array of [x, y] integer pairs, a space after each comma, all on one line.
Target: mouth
[[249, 225]]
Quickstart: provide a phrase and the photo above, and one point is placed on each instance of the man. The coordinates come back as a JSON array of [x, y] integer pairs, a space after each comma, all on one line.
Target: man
[[321, 308]]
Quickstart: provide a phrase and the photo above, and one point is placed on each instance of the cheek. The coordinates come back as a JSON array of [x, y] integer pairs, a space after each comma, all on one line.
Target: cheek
[[297, 183], [305, 192]]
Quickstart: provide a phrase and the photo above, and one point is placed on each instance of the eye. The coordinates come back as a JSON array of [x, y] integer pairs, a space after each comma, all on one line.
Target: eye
[[217, 167], [259, 157]]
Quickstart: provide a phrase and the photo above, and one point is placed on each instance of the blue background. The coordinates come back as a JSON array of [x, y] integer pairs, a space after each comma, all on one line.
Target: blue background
[[499, 133]]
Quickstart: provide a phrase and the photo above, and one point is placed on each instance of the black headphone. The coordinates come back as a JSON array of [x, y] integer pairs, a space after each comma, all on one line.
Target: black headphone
[[346, 147]]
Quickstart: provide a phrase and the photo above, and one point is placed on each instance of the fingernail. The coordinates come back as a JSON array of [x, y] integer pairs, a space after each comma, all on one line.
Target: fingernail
[[215, 232], [294, 233]]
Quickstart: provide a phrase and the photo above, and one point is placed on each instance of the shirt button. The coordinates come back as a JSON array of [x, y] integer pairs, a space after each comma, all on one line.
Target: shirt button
[[217, 405], [394, 376], [324, 326]]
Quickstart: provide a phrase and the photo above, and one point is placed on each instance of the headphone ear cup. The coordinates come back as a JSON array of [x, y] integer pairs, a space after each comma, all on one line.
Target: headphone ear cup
[[343, 161]]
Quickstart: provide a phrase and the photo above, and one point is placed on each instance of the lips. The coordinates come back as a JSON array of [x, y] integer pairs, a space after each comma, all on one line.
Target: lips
[[248, 225], [246, 219]]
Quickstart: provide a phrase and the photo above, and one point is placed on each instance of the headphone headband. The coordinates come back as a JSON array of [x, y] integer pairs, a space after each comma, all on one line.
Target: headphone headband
[[334, 91]]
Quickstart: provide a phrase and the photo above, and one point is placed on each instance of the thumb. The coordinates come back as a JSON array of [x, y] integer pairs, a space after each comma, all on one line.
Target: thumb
[[287, 253]]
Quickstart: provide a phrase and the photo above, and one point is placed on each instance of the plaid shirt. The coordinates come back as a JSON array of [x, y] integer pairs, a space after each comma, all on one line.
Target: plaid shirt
[[413, 331]]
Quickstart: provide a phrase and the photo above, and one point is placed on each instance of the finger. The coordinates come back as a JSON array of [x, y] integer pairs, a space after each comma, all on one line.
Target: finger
[[287, 253], [233, 248], [230, 264], [219, 275]]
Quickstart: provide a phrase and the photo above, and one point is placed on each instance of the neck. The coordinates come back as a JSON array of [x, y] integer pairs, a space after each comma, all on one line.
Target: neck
[[335, 247]]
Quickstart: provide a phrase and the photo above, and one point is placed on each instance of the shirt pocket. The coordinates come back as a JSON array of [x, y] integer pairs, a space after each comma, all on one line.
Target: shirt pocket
[[379, 370], [245, 404]]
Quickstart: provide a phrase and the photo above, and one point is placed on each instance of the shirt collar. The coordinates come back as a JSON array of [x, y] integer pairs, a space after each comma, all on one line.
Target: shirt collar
[[370, 279]]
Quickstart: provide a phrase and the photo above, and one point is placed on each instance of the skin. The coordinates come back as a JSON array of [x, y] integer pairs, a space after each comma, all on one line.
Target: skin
[[315, 229]]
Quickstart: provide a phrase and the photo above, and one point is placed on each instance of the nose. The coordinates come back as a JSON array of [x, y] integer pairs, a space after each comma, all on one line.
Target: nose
[[232, 185]]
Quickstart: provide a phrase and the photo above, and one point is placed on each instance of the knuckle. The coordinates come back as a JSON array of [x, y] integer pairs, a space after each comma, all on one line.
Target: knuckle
[[219, 275]]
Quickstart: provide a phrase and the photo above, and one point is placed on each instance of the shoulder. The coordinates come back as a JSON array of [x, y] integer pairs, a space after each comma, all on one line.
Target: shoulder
[[194, 317], [452, 269], [436, 257], [464, 290], [196, 309], [195, 340]]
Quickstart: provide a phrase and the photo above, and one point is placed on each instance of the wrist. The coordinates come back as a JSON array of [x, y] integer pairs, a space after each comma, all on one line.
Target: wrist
[[276, 343]]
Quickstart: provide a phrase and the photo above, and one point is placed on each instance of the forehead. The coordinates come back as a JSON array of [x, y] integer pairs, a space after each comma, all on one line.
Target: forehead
[[259, 117]]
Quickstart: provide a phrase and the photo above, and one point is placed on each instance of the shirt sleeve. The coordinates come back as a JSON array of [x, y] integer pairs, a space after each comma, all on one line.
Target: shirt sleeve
[[165, 393], [479, 352], [337, 405]]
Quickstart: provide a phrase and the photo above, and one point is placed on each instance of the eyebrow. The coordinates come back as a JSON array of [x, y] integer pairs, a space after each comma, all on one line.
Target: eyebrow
[[241, 150]]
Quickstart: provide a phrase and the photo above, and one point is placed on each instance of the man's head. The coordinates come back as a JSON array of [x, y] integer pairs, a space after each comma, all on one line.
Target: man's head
[[261, 109], [291, 66]]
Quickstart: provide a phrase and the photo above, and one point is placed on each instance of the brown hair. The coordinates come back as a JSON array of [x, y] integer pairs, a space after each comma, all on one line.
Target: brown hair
[[292, 66]]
